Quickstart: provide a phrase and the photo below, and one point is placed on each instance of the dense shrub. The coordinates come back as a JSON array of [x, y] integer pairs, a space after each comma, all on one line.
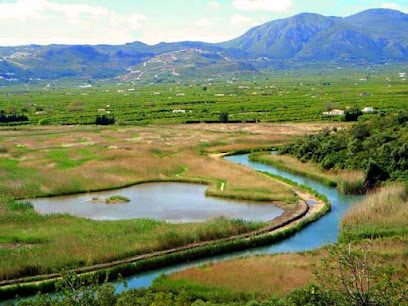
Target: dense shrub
[[352, 114], [104, 120], [44, 121], [224, 117], [378, 147]]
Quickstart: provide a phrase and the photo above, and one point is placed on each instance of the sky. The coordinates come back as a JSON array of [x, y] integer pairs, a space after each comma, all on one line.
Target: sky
[[153, 21]]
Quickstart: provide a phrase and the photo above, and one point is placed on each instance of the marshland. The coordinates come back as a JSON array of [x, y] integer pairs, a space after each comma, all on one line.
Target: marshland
[[193, 199], [206, 152]]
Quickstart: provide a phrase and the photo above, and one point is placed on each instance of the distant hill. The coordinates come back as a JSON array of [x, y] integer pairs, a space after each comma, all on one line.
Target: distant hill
[[373, 36]]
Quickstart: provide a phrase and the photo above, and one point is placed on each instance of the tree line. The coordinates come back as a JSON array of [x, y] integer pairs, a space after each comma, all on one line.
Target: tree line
[[14, 117]]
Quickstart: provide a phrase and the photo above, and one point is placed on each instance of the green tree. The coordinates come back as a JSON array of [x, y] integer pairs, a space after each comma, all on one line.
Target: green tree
[[352, 114], [375, 174], [224, 117]]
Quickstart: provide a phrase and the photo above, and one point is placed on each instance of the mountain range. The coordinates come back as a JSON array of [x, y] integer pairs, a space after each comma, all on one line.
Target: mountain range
[[374, 36]]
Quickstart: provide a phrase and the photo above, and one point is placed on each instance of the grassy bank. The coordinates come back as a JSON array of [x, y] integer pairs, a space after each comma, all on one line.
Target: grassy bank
[[383, 213], [347, 181]]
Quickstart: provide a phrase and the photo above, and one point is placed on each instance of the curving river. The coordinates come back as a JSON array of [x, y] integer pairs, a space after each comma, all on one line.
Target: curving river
[[323, 231]]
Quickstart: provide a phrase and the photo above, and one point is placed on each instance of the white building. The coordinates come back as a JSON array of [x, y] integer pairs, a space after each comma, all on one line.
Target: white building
[[179, 111], [334, 112], [368, 110]]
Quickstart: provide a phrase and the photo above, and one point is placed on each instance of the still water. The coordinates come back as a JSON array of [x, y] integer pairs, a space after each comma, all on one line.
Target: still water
[[172, 202]]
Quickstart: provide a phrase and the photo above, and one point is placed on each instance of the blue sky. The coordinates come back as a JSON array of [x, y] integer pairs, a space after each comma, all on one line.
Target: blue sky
[[153, 21]]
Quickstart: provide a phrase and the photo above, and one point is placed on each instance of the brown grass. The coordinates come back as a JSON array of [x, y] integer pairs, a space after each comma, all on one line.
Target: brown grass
[[382, 211], [292, 162], [118, 156], [280, 274], [291, 129], [351, 182], [256, 274]]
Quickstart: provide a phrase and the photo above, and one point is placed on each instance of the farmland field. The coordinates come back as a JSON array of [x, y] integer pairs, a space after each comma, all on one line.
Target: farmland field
[[276, 98]]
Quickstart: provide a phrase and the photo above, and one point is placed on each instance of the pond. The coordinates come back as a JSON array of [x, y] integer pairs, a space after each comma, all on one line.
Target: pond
[[172, 202]]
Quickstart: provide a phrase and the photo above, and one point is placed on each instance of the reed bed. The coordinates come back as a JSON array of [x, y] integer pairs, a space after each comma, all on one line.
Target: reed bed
[[351, 182], [31, 244], [384, 212], [265, 275], [98, 158]]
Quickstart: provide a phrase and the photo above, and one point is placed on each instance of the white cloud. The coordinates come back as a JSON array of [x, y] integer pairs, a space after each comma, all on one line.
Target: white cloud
[[136, 21], [23, 9], [70, 23], [395, 6], [246, 22], [203, 22], [263, 5], [155, 34], [214, 4], [240, 20]]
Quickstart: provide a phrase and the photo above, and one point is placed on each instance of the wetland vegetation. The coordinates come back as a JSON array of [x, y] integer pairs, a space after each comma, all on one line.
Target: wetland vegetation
[[366, 156], [116, 199], [94, 159]]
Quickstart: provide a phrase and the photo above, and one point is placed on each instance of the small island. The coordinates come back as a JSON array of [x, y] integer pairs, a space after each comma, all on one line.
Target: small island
[[111, 200]]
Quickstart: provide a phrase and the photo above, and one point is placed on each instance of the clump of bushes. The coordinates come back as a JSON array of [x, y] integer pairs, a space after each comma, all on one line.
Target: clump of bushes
[[13, 117], [44, 122], [352, 114], [76, 106], [3, 150]]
